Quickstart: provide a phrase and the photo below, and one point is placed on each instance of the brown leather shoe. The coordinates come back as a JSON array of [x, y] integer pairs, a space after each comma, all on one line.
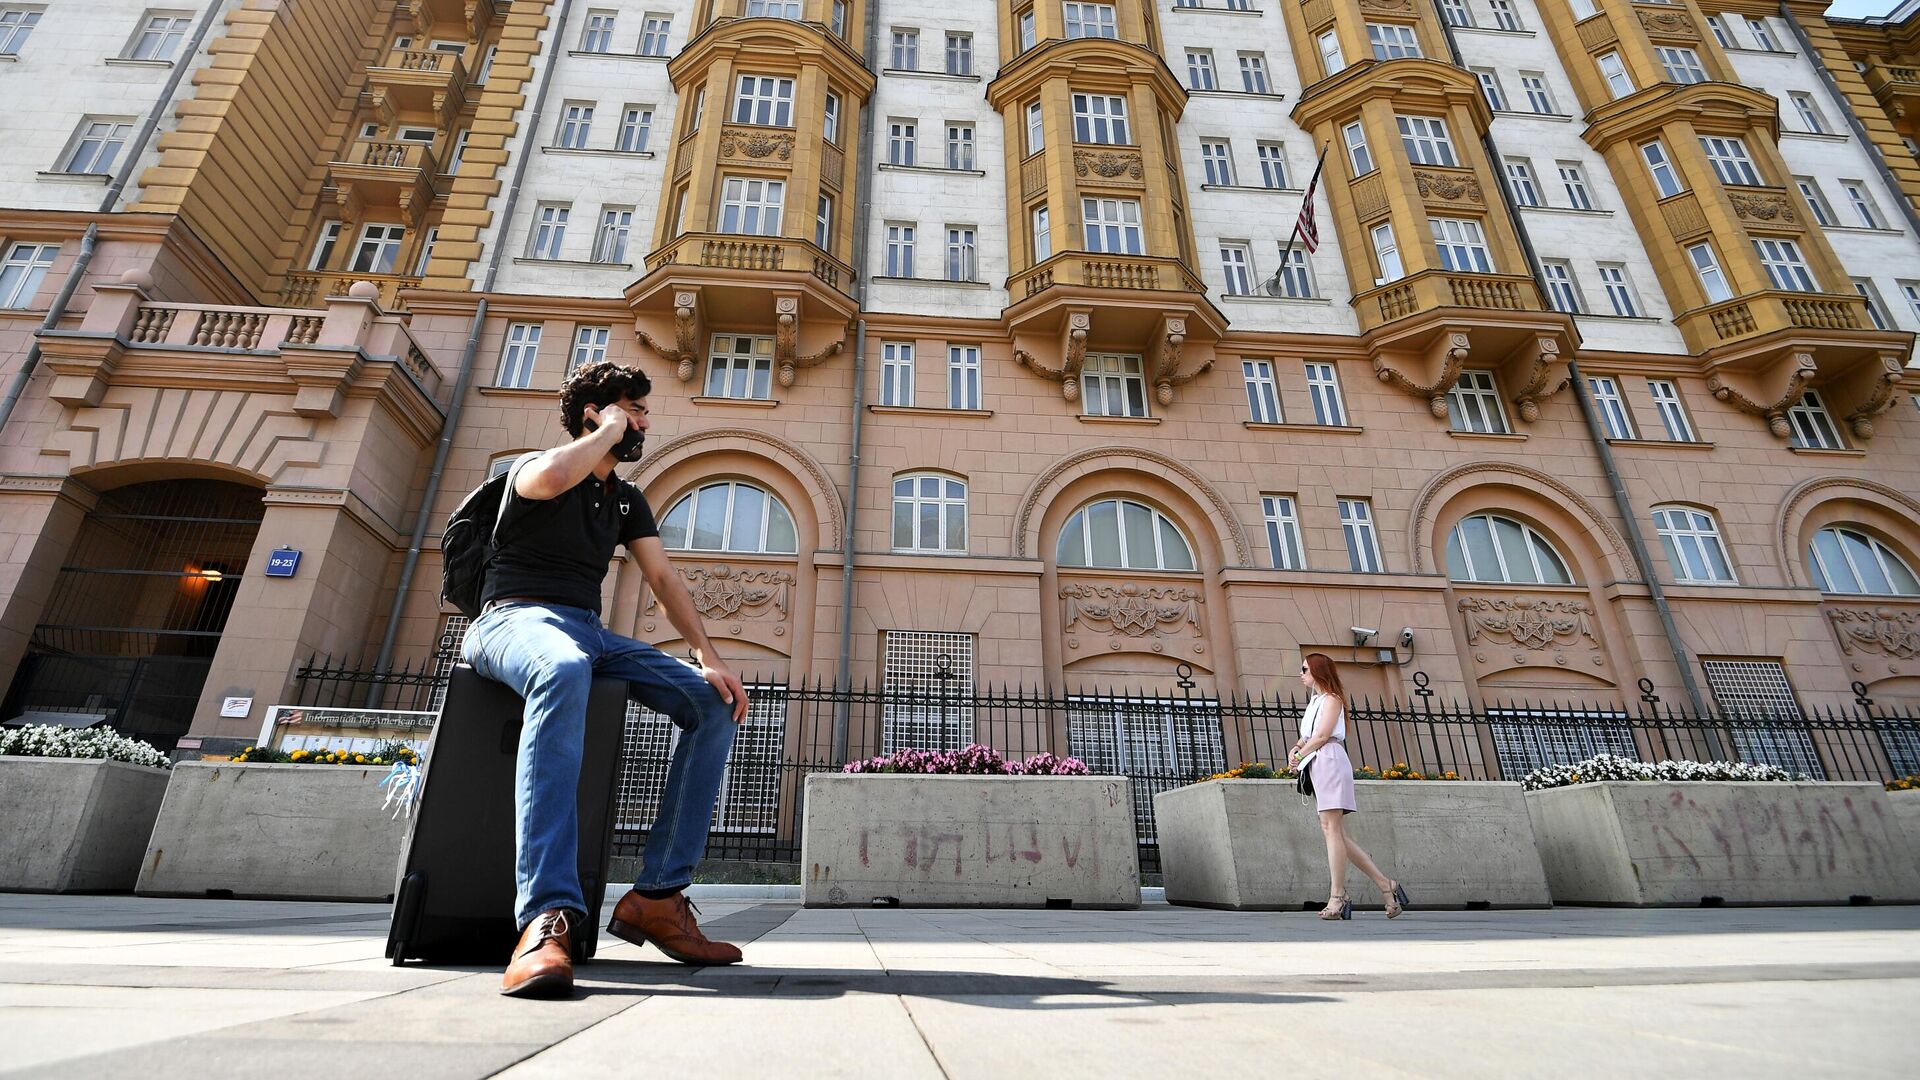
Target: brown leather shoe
[[542, 964], [669, 925]]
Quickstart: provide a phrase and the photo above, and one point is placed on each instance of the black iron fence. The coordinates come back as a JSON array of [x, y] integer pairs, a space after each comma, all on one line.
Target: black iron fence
[[1161, 741]]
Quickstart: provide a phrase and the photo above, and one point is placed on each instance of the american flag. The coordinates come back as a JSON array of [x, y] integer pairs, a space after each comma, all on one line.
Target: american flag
[[1310, 232]]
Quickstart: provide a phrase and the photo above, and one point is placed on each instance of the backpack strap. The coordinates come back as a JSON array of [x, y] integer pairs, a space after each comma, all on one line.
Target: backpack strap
[[513, 473]]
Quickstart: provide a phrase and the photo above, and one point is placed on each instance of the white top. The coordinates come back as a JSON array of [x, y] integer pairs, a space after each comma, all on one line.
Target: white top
[[1310, 720]]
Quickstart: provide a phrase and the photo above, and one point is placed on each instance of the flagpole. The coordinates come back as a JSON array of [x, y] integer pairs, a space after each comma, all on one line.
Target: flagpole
[[1286, 253]]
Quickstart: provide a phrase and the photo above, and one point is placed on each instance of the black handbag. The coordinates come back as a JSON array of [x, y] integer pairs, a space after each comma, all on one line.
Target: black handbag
[[1304, 782]]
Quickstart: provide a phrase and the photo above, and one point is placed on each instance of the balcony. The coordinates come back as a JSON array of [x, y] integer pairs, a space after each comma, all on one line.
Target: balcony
[[312, 289], [1423, 329], [378, 173], [1139, 273], [418, 81], [1896, 88], [1431, 289]]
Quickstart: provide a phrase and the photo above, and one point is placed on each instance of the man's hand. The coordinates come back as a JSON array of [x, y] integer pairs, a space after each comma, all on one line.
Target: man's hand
[[609, 417], [732, 690]]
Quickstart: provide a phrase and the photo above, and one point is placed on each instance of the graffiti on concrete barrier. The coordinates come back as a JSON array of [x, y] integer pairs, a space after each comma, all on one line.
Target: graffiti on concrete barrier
[[929, 848], [1792, 837]]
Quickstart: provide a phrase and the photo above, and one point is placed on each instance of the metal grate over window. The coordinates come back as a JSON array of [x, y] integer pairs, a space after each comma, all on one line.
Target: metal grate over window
[[1758, 691], [1160, 744], [1525, 740], [446, 653], [928, 677], [749, 787]]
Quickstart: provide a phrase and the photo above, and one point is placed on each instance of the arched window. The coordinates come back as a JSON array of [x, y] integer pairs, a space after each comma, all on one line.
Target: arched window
[[929, 514], [1121, 534], [1847, 560], [1694, 550], [1486, 547], [729, 516]]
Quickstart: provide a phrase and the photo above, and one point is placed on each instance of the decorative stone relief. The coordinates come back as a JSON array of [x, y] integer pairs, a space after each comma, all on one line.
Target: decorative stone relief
[[684, 354], [1448, 187], [725, 594], [1073, 356], [1539, 631], [1388, 5], [1453, 349], [756, 143], [1133, 617], [1108, 164], [1775, 411], [786, 339], [1669, 23], [1545, 377], [1879, 398], [1885, 631], [1768, 206], [1167, 374]]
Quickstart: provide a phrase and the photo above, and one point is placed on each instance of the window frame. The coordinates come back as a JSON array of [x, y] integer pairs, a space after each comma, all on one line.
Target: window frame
[[897, 368], [1106, 376], [692, 500], [1463, 240], [1709, 273], [1532, 541], [1101, 128], [1621, 295], [1730, 161], [1811, 425], [914, 501], [900, 241], [1323, 389], [730, 367], [519, 354], [1393, 41], [1612, 406], [111, 143], [30, 263], [964, 378], [1426, 140], [1679, 522], [178, 25], [1480, 388], [1097, 225], [1881, 551], [757, 95], [1357, 524], [769, 209], [590, 344], [963, 253], [1672, 411], [1263, 391], [1084, 515], [1281, 514], [636, 129]]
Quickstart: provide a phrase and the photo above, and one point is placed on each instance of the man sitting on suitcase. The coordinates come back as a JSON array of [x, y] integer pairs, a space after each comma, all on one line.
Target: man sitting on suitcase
[[561, 519]]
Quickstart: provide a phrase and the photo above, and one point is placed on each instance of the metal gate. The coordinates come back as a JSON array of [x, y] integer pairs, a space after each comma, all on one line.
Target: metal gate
[[136, 613]]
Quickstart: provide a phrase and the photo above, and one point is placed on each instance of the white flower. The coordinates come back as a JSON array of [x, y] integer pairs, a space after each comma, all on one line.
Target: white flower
[[1604, 767], [50, 740]]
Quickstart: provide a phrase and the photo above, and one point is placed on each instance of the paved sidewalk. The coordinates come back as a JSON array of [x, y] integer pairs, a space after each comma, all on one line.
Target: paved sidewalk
[[125, 987]]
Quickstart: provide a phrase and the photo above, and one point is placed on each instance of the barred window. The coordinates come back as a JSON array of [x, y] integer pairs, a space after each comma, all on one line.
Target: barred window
[[1525, 740], [1159, 743], [749, 799], [927, 681], [1757, 691]]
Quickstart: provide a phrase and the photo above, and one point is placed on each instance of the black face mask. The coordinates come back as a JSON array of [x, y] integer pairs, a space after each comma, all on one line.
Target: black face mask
[[628, 449]]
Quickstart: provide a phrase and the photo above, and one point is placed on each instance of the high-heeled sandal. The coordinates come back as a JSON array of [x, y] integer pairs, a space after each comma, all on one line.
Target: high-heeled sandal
[[1396, 900], [1343, 910]]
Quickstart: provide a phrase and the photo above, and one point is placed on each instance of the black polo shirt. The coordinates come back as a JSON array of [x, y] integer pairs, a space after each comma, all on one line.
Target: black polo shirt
[[558, 549]]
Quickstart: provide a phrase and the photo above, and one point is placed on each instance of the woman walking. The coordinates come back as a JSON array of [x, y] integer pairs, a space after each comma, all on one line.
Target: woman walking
[[1323, 749]]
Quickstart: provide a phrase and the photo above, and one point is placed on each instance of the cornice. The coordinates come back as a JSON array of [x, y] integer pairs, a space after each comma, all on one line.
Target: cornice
[[1088, 60]]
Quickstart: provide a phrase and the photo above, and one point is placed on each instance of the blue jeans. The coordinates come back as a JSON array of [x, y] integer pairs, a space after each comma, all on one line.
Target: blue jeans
[[550, 655]]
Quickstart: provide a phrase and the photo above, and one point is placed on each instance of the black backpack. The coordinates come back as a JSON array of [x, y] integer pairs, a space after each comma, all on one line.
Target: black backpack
[[472, 536]]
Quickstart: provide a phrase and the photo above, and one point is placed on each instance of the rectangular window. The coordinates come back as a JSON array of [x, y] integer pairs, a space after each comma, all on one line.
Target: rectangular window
[[1263, 398], [699, 110], [598, 37], [1613, 407], [1712, 281], [1785, 268], [1200, 70], [1504, 15], [1387, 253], [160, 37], [26, 267], [963, 377], [1490, 88], [1911, 291], [1026, 30], [899, 250], [1762, 35], [1090, 20], [839, 17], [653, 34], [823, 223], [902, 136], [962, 254], [1112, 226], [97, 144], [1520, 179], [1863, 205], [576, 119], [1036, 129], [610, 244], [1216, 155], [1666, 401], [590, 344], [1718, 24], [1359, 158], [1876, 309], [1331, 61], [1283, 532], [1042, 235], [1391, 41], [1425, 138], [761, 99], [922, 669], [1729, 159], [751, 205], [1273, 164], [1574, 182], [1323, 388], [1585, 9], [1236, 262], [1456, 12], [960, 146], [517, 356], [1681, 65], [896, 373], [1812, 426], [1463, 246], [322, 249], [1099, 118], [1816, 202], [635, 125], [1363, 544], [1614, 71], [1253, 73], [486, 66], [830, 119], [905, 55], [549, 230], [1534, 85], [774, 9], [16, 25], [1113, 385], [1810, 117], [1295, 274], [959, 54], [379, 249], [1474, 405], [1665, 179], [1613, 276], [741, 367], [1560, 289]]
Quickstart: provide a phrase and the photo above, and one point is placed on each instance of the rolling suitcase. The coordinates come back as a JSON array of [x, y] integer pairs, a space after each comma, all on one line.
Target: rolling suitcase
[[454, 900]]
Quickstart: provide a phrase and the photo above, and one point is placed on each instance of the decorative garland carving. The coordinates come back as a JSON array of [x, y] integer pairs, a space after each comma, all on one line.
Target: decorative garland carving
[[685, 353], [723, 593], [1765, 207], [1130, 610], [1671, 23], [786, 338], [1175, 471], [1079, 323], [1528, 624], [1775, 411], [756, 143], [1543, 379], [1547, 486], [1791, 554], [824, 490], [1167, 363], [1388, 5], [1882, 630], [1879, 399], [1108, 164], [1449, 187], [1436, 394]]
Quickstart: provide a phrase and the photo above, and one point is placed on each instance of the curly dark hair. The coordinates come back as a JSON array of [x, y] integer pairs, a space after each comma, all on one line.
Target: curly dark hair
[[598, 385]]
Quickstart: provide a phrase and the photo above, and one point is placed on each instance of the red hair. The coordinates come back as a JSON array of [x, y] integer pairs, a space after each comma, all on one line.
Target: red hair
[[1325, 675]]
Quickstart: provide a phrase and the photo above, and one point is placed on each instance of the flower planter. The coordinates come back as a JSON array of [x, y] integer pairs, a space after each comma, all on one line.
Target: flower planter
[[1906, 821], [75, 824], [1662, 843], [1256, 844], [969, 841], [288, 832]]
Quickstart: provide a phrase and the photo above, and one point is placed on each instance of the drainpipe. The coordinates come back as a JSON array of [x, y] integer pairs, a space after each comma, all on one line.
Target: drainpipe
[[863, 182], [18, 384], [1623, 503], [423, 514], [1874, 155]]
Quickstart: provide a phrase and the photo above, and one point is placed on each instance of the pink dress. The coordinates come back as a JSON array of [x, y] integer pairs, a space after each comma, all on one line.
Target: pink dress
[[1332, 770]]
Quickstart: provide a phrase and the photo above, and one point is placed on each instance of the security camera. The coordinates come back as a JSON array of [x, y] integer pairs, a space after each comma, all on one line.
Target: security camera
[[1406, 638], [1361, 632]]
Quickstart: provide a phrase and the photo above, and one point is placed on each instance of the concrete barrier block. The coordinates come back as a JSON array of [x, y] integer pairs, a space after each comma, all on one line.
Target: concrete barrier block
[[969, 841], [1257, 845], [75, 824], [1906, 822], [287, 832], [1650, 844]]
